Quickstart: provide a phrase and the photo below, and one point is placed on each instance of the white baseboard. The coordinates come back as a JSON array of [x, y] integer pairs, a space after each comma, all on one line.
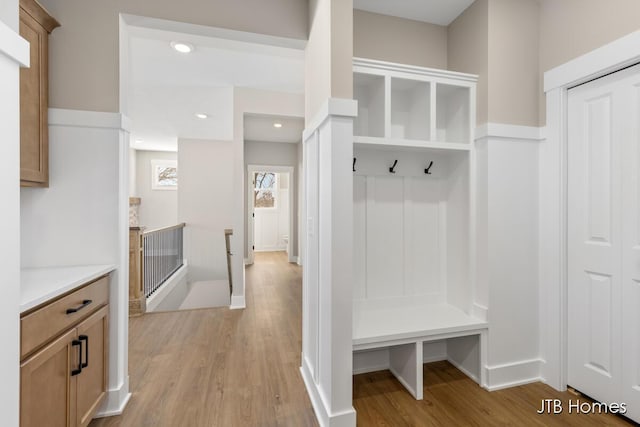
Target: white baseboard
[[115, 401], [325, 419], [513, 374], [298, 261], [237, 302]]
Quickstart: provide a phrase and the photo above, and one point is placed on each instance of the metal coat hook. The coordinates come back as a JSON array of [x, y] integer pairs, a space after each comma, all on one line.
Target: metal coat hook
[[391, 169], [354, 164], [428, 168]]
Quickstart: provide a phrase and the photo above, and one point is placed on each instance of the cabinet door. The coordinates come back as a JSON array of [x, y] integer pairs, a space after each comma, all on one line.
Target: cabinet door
[[47, 391], [92, 382], [33, 105]]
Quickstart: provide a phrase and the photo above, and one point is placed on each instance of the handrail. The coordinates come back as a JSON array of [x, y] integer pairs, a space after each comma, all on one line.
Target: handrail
[[171, 227]]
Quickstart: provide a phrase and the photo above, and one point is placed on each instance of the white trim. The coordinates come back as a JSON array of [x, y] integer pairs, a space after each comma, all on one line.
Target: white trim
[[501, 130], [237, 302], [553, 196], [513, 374], [176, 278], [611, 57], [412, 69], [88, 119], [116, 401], [296, 259], [480, 311], [13, 46], [332, 107], [340, 419], [212, 32]]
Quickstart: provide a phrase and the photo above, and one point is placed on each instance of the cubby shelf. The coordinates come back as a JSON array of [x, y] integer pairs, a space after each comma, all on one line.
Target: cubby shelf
[[408, 143], [414, 219]]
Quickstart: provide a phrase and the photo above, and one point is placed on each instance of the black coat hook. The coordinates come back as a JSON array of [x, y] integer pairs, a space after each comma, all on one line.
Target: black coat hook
[[428, 168], [391, 169], [354, 164]]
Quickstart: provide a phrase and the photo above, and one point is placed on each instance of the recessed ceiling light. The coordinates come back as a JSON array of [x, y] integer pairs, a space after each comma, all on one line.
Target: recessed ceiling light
[[182, 47], [139, 141], [277, 125], [202, 115]]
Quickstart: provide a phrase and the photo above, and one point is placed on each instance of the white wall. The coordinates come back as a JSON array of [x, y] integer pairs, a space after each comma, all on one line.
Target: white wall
[[507, 263], [82, 218], [158, 208], [10, 224], [205, 202], [276, 154]]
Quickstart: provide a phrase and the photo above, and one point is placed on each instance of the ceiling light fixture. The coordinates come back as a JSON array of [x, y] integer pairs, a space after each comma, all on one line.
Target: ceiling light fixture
[[202, 116], [182, 47], [139, 141], [277, 125]]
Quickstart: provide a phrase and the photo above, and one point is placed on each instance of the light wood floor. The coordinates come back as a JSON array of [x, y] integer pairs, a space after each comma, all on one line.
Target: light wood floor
[[218, 367]]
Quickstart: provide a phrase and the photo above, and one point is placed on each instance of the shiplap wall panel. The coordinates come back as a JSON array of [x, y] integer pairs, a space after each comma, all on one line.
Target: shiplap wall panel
[[359, 237], [385, 246]]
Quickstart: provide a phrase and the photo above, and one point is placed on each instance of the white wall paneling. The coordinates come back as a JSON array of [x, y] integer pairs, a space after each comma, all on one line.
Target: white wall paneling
[[82, 218], [14, 53], [553, 202], [328, 263]]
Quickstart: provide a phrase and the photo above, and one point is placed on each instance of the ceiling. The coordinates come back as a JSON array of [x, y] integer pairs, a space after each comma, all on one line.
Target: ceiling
[[260, 128], [167, 88], [440, 12]]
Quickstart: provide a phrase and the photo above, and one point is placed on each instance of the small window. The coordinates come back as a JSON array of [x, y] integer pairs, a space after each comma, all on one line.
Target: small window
[[164, 175], [264, 193]]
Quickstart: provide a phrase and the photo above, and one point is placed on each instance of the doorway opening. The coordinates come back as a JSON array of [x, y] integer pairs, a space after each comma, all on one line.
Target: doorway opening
[[271, 211]]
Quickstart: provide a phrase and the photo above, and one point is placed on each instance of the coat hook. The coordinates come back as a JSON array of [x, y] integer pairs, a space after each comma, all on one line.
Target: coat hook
[[354, 164], [428, 168], [391, 169]]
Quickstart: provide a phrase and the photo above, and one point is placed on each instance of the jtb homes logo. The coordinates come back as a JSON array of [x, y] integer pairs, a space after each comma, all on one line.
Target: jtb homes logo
[[557, 406]]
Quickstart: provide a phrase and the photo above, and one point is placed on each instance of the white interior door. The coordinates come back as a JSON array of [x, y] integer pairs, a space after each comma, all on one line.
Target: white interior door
[[603, 239]]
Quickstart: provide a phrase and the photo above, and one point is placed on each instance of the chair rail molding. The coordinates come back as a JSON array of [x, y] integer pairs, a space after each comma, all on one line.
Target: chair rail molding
[[553, 177]]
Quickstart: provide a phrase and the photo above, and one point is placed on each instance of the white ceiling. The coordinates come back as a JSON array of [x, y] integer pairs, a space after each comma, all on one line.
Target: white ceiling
[[167, 88], [260, 128], [440, 12]]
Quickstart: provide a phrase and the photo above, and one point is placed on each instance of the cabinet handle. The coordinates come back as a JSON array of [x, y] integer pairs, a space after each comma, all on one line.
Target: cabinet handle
[[85, 338], [79, 370], [85, 303]]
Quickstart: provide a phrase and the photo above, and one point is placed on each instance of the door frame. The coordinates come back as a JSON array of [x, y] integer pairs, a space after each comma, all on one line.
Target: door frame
[[553, 193], [251, 169]]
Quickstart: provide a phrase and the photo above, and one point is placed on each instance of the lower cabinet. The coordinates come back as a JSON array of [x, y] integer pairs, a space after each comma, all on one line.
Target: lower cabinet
[[64, 382]]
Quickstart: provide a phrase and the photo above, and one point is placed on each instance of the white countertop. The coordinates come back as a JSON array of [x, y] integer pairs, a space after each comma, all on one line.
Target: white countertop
[[38, 285]]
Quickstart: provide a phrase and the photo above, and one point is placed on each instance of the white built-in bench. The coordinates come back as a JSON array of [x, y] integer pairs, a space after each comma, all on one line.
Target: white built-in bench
[[404, 329]]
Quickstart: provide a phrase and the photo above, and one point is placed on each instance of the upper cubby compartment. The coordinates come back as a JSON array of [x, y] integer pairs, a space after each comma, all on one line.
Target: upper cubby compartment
[[369, 90], [410, 109], [413, 107], [452, 113]]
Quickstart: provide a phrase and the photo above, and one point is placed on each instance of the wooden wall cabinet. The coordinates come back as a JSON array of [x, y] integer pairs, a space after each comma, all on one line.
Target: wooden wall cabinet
[[63, 373], [35, 26]]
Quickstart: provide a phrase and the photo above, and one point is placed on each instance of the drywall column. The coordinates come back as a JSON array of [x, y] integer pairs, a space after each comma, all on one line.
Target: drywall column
[[328, 194], [14, 52], [328, 270], [82, 218]]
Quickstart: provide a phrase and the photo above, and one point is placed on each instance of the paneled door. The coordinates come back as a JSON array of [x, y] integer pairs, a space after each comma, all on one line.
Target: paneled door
[[604, 239]]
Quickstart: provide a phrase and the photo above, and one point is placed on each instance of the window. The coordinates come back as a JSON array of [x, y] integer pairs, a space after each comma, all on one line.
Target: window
[[264, 190], [164, 175]]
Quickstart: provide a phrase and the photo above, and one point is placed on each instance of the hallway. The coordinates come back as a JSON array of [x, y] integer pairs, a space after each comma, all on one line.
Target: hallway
[[221, 367]]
